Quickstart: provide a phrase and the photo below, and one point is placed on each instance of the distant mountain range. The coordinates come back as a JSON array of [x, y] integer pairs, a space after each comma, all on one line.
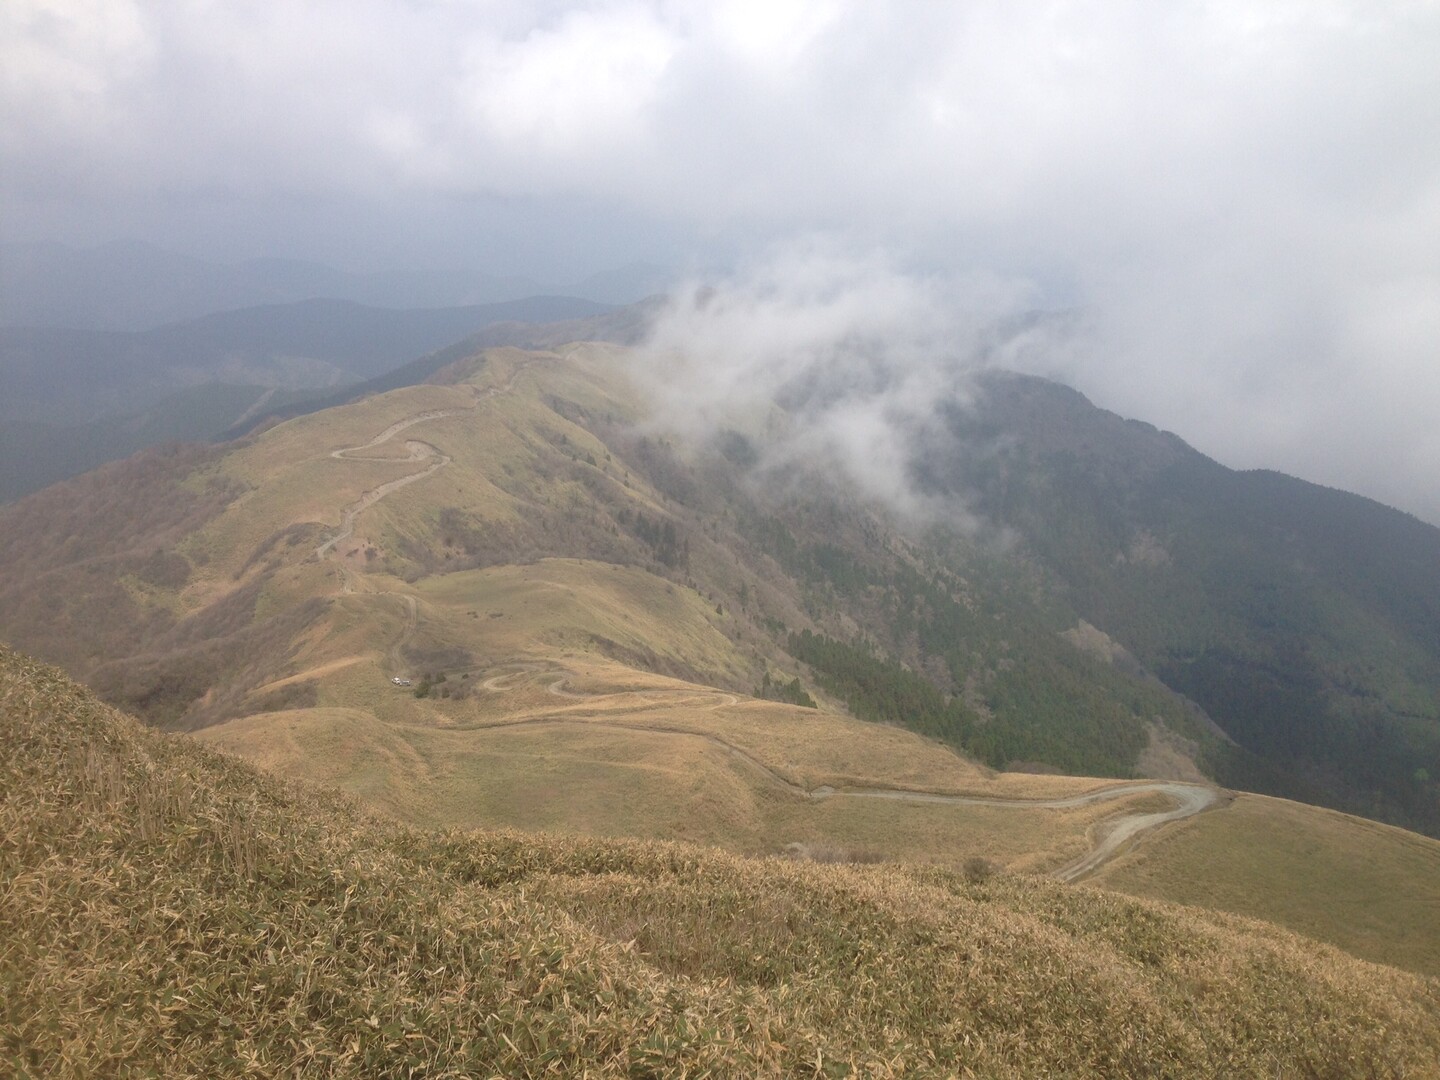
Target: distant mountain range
[[129, 285], [72, 399]]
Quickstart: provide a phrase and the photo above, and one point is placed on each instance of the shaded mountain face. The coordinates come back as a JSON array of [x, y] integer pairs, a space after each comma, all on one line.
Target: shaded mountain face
[[1130, 602], [1305, 620]]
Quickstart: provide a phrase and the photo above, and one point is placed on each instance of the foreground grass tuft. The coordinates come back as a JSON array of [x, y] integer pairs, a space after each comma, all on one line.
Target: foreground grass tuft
[[170, 911]]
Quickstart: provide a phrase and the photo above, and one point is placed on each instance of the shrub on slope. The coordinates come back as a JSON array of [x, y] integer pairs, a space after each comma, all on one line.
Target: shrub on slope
[[169, 911]]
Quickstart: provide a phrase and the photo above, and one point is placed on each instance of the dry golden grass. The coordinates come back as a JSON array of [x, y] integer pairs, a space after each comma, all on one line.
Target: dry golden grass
[[636, 754], [601, 777], [171, 912], [554, 608], [1354, 884], [1372, 889], [486, 425], [291, 477], [598, 748]]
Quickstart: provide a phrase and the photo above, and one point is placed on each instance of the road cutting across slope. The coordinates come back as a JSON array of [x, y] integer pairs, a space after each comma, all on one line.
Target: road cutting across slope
[[1190, 799], [1118, 832], [417, 450]]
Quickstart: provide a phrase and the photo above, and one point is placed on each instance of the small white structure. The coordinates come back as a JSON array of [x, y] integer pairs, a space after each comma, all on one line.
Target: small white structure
[[398, 681]]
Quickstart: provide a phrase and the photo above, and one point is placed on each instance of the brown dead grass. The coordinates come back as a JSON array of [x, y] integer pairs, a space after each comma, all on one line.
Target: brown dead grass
[[598, 778], [170, 912]]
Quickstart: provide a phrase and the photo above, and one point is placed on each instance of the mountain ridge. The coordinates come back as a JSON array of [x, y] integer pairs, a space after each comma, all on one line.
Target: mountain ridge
[[938, 631], [75, 398], [588, 612]]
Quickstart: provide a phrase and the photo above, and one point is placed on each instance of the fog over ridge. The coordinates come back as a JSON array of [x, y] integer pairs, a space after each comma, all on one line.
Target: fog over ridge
[[859, 355]]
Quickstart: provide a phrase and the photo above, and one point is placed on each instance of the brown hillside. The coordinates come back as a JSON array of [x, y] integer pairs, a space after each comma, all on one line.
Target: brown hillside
[[170, 912]]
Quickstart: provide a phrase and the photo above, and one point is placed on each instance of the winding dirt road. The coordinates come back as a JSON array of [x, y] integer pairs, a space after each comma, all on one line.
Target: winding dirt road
[[1190, 799], [418, 451], [1117, 833]]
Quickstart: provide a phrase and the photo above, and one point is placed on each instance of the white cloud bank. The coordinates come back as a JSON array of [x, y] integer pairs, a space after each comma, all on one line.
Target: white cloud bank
[[859, 355], [1246, 196]]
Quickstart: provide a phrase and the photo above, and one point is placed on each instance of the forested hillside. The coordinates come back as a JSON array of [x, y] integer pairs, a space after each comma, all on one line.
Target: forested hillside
[[1306, 621]]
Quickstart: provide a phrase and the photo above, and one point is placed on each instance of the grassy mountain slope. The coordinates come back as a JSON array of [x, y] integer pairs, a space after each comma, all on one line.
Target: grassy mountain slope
[[540, 459], [172, 912], [1369, 888], [939, 632], [624, 326], [605, 750], [588, 613]]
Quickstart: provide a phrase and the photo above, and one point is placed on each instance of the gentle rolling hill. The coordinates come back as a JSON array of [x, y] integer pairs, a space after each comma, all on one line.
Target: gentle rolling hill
[[1367, 887]]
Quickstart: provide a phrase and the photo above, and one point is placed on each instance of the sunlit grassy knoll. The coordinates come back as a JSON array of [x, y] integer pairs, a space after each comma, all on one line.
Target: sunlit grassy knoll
[[314, 436], [515, 622], [620, 750], [568, 777], [291, 478], [491, 435], [502, 438], [521, 481], [1372, 889], [524, 481], [170, 911], [808, 747], [555, 612]]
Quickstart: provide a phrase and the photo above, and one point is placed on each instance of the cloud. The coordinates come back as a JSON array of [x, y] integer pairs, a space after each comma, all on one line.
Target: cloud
[[858, 354], [579, 90], [1246, 197]]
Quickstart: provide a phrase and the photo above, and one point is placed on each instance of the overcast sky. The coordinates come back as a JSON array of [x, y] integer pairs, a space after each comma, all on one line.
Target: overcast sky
[[1244, 197]]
